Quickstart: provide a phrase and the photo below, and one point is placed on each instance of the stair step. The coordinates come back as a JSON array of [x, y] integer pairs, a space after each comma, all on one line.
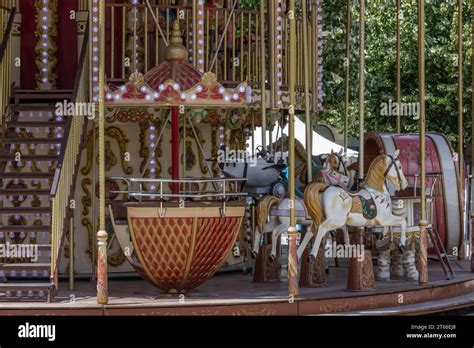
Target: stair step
[[47, 124], [23, 266], [32, 140], [27, 175], [24, 286], [26, 192], [32, 108], [29, 157], [25, 210], [43, 228]]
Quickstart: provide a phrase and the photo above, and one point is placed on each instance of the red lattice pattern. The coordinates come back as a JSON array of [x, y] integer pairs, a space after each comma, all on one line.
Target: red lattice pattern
[[163, 245], [169, 257], [215, 238]]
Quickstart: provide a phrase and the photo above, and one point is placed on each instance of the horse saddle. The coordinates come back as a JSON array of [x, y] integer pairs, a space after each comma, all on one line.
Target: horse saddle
[[364, 204]]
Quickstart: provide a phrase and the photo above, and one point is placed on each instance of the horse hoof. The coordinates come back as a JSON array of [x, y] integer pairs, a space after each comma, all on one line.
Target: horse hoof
[[311, 258], [254, 254], [402, 249], [327, 270], [272, 258]]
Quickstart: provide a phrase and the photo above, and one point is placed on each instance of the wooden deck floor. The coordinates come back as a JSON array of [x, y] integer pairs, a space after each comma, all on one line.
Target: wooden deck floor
[[236, 294]]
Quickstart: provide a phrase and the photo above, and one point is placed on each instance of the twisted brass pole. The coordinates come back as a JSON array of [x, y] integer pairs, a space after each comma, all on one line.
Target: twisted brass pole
[[399, 88], [423, 258], [460, 93], [263, 74], [362, 91], [472, 132], [307, 101], [347, 65], [292, 231], [102, 286], [462, 251]]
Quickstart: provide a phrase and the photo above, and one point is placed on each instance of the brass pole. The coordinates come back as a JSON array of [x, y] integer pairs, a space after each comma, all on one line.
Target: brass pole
[[71, 252], [461, 253], [399, 67], [423, 258], [307, 101], [472, 133], [102, 286], [292, 231], [347, 65], [460, 93], [362, 90], [263, 74]]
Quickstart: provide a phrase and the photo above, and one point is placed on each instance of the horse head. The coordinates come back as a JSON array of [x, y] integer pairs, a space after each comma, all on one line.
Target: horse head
[[334, 161], [394, 172], [280, 145]]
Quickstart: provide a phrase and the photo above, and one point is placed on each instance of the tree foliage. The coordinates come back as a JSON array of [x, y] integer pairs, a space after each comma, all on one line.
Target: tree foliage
[[380, 52]]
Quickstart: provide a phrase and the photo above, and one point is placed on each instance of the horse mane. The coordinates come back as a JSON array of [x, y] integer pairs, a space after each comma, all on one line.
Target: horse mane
[[376, 174], [332, 158], [300, 153]]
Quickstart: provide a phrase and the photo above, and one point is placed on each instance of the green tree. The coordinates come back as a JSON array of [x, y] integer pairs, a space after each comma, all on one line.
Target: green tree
[[441, 64]]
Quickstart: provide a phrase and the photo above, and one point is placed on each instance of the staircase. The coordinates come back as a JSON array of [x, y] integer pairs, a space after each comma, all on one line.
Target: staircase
[[39, 160], [30, 149]]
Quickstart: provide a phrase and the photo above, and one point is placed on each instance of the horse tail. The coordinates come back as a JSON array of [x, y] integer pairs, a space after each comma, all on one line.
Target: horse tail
[[312, 201], [263, 210]]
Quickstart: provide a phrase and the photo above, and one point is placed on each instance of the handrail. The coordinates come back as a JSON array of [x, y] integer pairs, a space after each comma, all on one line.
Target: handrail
[[80, 67], [223, 193], [5, 69], [62, 190], [8, 31]]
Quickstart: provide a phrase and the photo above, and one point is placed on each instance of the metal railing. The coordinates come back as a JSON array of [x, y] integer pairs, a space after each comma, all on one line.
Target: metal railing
[[413, 202], [228, 189], [64, 177], [133, 33]]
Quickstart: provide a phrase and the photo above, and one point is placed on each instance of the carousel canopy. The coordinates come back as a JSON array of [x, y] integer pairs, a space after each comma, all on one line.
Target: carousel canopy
[[177, 83]]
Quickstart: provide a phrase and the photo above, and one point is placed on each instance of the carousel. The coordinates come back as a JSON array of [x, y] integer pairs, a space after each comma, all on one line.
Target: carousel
[[138, 187]]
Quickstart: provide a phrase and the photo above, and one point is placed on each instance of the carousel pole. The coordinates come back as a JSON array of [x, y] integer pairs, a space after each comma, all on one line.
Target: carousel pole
[[357, 269], [175, 149], [399, 67], [263, 77], [348, 71], [423, 258], [472, 135], [362, 92], [307, 101], [462, 251], [102, 286], [460, 94], [292, 231]]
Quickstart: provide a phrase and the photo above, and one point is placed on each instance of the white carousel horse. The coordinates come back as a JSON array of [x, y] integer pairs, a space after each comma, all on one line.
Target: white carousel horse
[[334, 171], [279, 223], [332, 207], [280, 220]]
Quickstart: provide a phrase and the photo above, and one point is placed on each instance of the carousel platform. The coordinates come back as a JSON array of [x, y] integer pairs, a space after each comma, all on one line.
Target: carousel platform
[[236, 294]]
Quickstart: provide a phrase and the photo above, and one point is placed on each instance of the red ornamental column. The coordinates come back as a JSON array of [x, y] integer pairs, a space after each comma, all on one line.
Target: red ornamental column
[[175, 148]]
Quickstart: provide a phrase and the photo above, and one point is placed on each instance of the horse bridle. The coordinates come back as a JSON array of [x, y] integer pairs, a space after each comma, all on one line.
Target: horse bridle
[[393, 163], [341, 162]]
